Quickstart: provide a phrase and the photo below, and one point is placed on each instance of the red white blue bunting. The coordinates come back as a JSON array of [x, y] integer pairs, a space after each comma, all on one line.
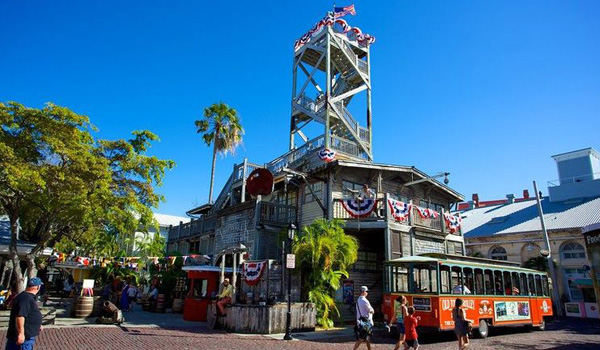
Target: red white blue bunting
[[452, 222], [327, 155], [426, 213], [253, 271], [359, 208], [329, 20], [400, 210]]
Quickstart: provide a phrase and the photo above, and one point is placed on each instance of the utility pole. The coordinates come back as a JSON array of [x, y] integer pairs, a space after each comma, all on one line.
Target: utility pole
[[555, 295]]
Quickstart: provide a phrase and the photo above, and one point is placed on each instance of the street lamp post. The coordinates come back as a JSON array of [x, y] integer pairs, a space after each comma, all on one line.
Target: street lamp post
[[288, 324]]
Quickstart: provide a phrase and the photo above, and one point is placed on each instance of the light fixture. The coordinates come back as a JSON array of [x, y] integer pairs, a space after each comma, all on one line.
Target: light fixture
[[291, 231]]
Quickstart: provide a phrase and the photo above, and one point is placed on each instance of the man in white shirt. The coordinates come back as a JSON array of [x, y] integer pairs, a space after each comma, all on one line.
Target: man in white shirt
[[364, 310]]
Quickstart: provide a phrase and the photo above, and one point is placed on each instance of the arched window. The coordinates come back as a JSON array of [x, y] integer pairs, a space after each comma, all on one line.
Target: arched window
[[572, 250], [498, 253]]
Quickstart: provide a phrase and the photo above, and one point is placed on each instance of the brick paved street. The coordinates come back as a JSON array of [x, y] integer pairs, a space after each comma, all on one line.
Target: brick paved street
[[562, 335]]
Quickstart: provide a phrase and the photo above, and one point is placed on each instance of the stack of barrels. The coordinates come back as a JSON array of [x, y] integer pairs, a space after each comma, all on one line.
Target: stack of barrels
[[160, 304]]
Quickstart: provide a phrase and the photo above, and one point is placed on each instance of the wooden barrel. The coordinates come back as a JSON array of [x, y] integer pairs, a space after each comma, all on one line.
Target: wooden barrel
[[98, 305], [160, 304], [147, 305], [84, 307], [177, 305]]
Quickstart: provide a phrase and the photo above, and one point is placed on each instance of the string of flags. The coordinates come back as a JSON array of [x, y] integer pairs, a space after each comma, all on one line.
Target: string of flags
[[131, 262], [332, 20], [426, 213]]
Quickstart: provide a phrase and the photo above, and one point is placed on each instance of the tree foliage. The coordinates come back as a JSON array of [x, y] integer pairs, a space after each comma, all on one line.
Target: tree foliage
[[59, 183], [324, 253], [221, 128], [539, 263]]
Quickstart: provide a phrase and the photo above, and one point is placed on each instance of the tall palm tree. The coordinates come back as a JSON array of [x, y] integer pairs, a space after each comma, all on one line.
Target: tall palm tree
[[222, 129]]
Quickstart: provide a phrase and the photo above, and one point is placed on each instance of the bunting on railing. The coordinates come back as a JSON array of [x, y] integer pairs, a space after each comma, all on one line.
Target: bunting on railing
[[400, 210], [426, 213], [327, 155], [253, 271], [452, 222], [358, 208], [329, 20]]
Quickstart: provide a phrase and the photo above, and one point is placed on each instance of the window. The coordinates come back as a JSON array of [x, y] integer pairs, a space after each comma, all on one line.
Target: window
[[350, 189], [435, 206], [398, 279], [366, 261], [317, 188], [498, 253], [455, 248], [425, 279], [573, 250]]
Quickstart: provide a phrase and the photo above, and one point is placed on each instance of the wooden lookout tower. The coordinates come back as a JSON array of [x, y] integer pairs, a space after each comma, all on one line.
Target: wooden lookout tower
[[332, 70]]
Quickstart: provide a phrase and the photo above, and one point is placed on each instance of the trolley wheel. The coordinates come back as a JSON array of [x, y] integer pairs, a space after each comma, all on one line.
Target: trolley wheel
[[542, 326], [483, 330]]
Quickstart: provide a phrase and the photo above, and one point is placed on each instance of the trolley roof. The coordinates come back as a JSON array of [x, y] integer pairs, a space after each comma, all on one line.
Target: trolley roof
[[447, 259]]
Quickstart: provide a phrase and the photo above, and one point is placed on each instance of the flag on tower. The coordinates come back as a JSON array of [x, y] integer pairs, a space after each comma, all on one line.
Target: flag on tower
[[342, 11]]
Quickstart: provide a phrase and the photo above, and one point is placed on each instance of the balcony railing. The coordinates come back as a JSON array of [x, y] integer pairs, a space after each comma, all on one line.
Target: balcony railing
[[432, 223], [378, 214], [574, 179], [290, 157], [276, 214], [195, 227]]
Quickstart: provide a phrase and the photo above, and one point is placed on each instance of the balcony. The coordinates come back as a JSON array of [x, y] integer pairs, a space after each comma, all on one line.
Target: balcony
[[381, 216], [276, 214], [196, 227]]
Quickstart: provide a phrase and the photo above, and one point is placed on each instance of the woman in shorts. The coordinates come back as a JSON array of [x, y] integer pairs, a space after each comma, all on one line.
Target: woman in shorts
[[400, 311]]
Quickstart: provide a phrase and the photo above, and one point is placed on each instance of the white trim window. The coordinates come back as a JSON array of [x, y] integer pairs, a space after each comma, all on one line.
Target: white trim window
[[572, 250]]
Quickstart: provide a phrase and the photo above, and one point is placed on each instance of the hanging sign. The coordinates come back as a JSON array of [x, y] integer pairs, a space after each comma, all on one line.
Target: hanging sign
[[290, 262], [253, 271]]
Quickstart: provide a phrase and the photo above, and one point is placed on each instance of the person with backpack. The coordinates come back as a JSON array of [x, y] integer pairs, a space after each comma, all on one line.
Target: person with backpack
[[364, 319]]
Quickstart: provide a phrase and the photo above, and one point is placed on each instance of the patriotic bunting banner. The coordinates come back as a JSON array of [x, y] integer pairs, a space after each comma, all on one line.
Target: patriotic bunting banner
[[400, 210], [426, 213], [327, 155], [253, 271], [329, 20], [452, 222], [359, 208]]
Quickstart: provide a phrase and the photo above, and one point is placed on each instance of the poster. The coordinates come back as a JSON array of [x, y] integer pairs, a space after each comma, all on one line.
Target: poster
[[348, 292], [422, 304], [511, 310], [591, 236]]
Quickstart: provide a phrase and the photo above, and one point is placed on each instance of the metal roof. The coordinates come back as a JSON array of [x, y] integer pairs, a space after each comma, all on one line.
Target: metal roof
[[523, 217], [468, 261]]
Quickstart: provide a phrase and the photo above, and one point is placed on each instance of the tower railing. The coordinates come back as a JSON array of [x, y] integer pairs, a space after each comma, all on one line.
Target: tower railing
[[294, 155]]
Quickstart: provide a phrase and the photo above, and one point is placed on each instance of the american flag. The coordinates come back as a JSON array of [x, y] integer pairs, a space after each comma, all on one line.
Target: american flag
[[342, 11]]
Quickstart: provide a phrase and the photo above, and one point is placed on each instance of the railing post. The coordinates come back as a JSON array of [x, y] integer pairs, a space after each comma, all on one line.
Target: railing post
[[244, 175], [411, 215], [442, 222]]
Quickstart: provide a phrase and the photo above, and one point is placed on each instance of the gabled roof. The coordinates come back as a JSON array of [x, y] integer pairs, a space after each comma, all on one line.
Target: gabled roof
[[521, 217], [404, 169]]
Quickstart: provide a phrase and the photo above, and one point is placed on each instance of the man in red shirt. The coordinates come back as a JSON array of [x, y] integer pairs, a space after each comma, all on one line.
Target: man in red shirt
[[410, 327]]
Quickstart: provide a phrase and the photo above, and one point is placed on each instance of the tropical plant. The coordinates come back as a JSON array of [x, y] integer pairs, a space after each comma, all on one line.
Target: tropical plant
[[222, 129], [475, 253], [539, 263], [324, 253]]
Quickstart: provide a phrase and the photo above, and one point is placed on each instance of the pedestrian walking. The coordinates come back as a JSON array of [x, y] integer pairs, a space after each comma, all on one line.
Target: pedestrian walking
[[460, 324], [364, 319], [124, 297], [25, 318], [411, 323], [400, 311], [132, 294]]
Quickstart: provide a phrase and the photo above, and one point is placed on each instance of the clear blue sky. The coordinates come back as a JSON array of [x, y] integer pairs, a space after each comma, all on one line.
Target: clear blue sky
[[487, 90]]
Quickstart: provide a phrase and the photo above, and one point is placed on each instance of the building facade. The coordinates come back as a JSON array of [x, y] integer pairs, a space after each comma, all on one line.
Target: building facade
[[511, 230]]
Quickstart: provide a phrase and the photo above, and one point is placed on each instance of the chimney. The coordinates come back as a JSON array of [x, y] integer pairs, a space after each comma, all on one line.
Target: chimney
[[510, 198], [525, 194], [476, 200]]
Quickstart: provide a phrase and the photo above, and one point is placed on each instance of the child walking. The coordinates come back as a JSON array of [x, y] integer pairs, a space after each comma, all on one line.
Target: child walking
[[410, 326]]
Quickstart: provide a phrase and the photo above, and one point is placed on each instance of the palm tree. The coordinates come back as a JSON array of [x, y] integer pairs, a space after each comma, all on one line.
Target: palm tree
[[222, 129], [324, 253]]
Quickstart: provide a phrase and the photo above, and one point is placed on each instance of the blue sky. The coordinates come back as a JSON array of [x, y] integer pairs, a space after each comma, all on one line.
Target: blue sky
[[486, 90]]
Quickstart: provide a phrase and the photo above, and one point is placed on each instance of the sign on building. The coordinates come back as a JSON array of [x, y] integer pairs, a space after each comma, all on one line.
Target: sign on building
[[291, 261]]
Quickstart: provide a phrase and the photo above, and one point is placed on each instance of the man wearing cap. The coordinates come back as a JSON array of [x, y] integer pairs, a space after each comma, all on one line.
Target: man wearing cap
[[25, 318], [364, 312]]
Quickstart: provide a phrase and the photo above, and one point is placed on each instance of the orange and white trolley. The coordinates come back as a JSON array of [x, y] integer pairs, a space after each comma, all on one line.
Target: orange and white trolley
[[495, 293]]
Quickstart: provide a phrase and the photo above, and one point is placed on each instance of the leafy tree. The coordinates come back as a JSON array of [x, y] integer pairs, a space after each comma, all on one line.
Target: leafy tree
[[324, 253], [60, 184], [221, 128], [539, 263], [475, 254]]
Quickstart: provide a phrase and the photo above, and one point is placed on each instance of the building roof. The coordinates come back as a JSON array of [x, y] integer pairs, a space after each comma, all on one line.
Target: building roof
[[168, 220], [521, 217]]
